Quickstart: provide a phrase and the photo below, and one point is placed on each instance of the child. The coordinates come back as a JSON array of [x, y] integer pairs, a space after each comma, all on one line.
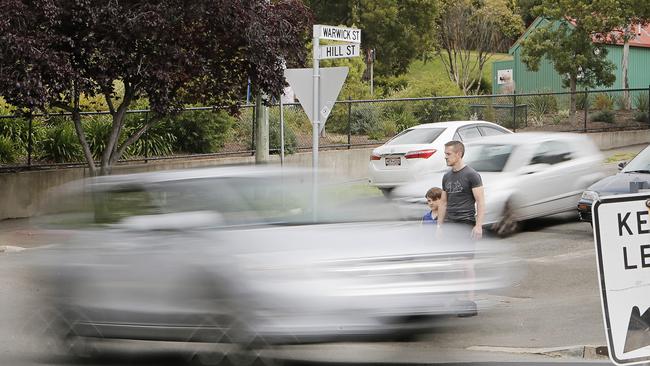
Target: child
[[433, 198]]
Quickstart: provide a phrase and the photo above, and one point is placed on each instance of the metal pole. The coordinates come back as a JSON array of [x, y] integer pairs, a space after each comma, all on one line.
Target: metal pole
[[146, 138], [281, 132], [648, 111], [372, 78], [349, 122], [30, 141], [585, 108], [514, 111], [253, 131], [316, 115]]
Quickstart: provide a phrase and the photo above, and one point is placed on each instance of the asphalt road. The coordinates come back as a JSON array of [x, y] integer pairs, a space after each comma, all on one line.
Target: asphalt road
[[554, 304], [550, 314]]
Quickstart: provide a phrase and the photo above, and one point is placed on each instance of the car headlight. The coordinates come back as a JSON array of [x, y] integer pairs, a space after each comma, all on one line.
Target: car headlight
[[590, 196]]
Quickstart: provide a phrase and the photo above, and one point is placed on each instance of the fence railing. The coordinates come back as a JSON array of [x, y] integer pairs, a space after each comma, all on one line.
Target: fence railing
[[49, 140]]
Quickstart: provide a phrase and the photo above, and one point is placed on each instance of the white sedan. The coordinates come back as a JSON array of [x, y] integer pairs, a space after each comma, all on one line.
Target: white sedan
[[420, 150], [525, 175]]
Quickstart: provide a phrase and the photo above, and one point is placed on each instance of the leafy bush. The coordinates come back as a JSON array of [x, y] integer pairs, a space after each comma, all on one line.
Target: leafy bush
[[8, 152], [197, 132], [97, 129], [383, 130], [641, 102], [603, 102], [61, 144], [364, 118], [603, 116], [640, 116], [290, 141], [400, 115], [583, 100], [562, 115], [540, 105]]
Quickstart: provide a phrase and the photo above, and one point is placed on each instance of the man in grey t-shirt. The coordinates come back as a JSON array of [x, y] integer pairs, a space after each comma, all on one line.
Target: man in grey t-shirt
[[463, 200]]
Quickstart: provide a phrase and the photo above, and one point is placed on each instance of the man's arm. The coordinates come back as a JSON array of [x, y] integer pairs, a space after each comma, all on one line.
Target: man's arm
[[479, 197], [442, 208]]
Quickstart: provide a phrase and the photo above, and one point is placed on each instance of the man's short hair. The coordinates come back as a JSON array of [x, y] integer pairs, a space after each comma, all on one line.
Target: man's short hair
[[434, 193], [457, 146]]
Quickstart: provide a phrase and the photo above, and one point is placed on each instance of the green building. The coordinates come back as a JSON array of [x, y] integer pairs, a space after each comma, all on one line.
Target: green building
[[547, 79]]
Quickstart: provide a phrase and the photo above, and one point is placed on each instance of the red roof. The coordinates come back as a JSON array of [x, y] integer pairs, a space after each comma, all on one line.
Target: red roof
[[641, 36]]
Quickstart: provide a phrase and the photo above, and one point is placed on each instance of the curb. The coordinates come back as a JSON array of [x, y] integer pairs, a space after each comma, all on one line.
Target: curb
[[585, 351]]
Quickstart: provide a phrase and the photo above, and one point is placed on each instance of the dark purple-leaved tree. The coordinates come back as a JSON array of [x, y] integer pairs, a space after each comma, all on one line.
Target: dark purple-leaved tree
[[171, 52]]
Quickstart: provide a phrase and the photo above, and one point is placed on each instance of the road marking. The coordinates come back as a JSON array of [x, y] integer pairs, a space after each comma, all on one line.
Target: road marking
[[563, 257]]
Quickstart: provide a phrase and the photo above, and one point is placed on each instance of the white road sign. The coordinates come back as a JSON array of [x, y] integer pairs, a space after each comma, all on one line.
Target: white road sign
[[622, 238], [302, 82], [342, 34], [339, 51]]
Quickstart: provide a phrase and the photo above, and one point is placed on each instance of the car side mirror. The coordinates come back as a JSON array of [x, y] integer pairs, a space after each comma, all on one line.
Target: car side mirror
[[622, 165]]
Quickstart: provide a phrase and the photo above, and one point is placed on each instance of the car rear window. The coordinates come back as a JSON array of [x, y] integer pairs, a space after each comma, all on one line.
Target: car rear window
[[416, 136]]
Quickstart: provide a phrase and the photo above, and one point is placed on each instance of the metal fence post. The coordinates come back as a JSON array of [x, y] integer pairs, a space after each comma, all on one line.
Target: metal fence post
[[349, 122], [30, 140], [514, 111], [648, 111], [281, 131], [586, 108], [146, 138], [253, 131]]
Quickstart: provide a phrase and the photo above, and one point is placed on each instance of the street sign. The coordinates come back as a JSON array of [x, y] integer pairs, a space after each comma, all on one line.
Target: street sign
[[622, 238], [342, 34], [302, 83], [339, 51]]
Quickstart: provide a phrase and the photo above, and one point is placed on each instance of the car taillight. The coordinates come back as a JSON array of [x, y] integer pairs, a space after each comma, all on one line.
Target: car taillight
[[375, 157], [420, 154]]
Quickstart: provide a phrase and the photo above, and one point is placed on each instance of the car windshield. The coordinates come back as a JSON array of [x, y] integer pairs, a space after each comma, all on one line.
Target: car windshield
[[416, 136], [640, 163], [488, 158]]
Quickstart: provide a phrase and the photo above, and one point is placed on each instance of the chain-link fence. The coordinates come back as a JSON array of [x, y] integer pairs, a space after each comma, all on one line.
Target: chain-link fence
[[50, 140]]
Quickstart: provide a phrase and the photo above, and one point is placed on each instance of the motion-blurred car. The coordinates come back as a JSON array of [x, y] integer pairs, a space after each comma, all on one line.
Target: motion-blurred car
[[525, 175], [420, 150], [636, 170], [237, 255]]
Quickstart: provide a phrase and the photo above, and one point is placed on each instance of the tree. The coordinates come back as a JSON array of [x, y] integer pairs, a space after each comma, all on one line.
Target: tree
[[571, 37], [399, 31], [171, 53], [469, 33]]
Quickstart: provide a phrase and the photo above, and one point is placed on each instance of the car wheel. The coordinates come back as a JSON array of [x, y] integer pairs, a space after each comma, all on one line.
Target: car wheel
[[508, 225], [386, 191]]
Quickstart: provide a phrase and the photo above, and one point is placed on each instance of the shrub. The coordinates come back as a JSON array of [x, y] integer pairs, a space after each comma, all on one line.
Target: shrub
[[61, 144], [583, 100], [290, 141], [97, 129], [603, 116], [8, 151], [400, 115], [603, 102], [542, 104], [196, 132], [364, 118], [641, 102], [562, 115], [640, 116]]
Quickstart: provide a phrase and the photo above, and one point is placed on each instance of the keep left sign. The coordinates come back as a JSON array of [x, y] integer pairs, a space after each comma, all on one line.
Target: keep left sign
[[622, 238]]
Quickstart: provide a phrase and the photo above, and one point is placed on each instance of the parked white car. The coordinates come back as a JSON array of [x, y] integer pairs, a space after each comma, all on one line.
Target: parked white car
[[525, 175], [419, 150]]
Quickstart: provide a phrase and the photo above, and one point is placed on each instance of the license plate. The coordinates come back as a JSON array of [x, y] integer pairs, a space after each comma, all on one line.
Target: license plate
[[393, 161]]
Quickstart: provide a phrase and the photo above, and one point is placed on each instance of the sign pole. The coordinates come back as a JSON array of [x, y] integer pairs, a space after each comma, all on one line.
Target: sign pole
[[316, 116]]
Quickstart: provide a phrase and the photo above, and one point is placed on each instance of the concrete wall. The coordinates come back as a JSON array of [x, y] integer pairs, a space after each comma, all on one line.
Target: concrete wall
[[24, 194], [612, 140]]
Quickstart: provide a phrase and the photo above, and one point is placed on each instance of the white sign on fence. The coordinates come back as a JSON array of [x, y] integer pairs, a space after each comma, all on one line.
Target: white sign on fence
[[622, 238]]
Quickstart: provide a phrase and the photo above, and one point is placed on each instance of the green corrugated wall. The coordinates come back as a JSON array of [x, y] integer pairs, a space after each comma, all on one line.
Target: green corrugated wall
[[547, 79]]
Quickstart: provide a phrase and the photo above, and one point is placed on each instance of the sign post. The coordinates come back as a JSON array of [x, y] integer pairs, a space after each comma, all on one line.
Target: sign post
[[325, 84], [622, 238]]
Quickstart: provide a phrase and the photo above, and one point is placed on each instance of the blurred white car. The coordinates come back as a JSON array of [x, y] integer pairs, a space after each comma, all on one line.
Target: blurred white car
[[525, 175], [236, 255], [420, 149]]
